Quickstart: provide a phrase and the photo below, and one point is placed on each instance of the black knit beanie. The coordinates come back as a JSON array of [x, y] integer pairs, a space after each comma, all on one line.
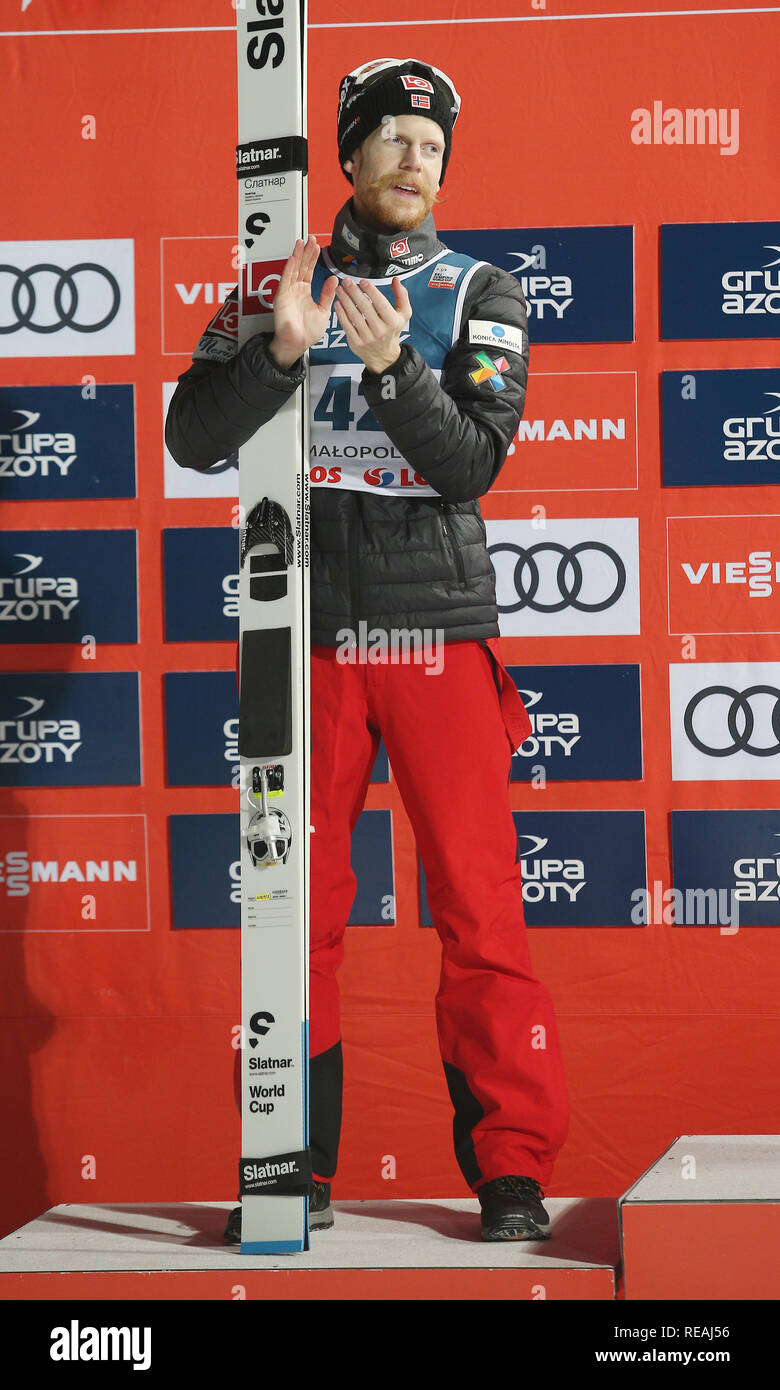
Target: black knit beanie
[[407, 88]]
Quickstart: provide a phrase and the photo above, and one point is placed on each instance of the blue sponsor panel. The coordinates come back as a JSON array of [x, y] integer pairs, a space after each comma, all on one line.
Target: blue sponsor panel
[[371, 858], [55, 443], [578, 282], [580, 868], [206, 870], [201, 730], [721, 428], [63, 730], [726, 867], [200, 565], [59, 586], [720, 280], [586, 723]]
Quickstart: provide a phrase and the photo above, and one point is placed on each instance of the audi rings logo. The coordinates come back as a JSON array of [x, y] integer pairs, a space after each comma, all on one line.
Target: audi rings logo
[[46, 298], [568, 574], [741, 719]]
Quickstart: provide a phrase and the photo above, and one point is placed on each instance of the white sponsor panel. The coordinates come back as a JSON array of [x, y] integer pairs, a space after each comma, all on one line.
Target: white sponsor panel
[[569, 577], [725, 721], [347, 447], [221, 481], [67, 298], [485, 333]]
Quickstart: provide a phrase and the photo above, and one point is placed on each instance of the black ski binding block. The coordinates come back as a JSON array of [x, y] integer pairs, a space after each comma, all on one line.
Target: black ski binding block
[[268, 524]]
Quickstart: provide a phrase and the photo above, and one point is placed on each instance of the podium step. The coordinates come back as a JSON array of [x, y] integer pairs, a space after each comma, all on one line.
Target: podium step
[[704, 1221], [376, 1250]]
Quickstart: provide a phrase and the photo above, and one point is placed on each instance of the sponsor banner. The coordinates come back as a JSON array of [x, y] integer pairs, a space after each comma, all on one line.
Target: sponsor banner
[[197, 276], [206, 870], [63, 730], [724, 574], [201, 728], [487, 334], [578, 282], [576, 576], [259, 283], [347, 445], [221, 480], [73, 873], [200, 565], [721, 428], [578, 434], [579, 868], [720, 280], [58, 586], [570, 737], [725, 719], [55, 443], [735, 854], [288, 1172], [201, 731], [67, 298]]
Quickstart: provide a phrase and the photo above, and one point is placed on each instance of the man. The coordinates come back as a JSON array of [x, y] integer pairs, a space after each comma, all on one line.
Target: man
[[411, 422]]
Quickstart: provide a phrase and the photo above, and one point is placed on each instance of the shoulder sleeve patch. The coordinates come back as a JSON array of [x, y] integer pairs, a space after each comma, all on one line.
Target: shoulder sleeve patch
[[225, 321], [213, 347], [484, 333]]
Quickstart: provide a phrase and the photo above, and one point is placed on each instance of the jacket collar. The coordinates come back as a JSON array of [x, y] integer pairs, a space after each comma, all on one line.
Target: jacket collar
[[355, 250]]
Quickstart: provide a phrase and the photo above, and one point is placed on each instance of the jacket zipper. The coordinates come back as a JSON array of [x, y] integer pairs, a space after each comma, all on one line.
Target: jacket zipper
[[459, 565]]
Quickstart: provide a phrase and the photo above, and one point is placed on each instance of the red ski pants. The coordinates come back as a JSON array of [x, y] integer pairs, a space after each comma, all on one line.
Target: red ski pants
[[449, 736]]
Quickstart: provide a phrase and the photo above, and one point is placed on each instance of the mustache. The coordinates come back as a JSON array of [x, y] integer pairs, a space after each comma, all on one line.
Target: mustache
[[387, 181]]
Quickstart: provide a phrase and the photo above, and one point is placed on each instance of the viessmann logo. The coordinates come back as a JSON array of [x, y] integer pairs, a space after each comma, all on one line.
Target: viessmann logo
[[73, 873], [724, 574], [760, 572], [18, 872]]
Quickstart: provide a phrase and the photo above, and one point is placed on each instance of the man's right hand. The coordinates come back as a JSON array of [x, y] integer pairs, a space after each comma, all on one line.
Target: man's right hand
[[298, 321]]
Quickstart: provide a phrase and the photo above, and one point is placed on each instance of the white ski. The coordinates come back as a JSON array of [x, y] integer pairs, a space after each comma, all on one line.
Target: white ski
[[274, 723]]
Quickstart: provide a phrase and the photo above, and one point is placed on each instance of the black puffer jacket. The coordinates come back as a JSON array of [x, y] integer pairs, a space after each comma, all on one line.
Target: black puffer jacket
[[391, 561]]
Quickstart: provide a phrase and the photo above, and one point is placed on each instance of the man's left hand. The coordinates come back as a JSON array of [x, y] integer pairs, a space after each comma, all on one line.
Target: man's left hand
[[372, 326]]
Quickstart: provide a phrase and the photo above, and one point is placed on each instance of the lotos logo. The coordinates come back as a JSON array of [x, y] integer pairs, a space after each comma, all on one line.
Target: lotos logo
[[259, 283], [416, 84], [378, 477], [225, 322], [399, 248]]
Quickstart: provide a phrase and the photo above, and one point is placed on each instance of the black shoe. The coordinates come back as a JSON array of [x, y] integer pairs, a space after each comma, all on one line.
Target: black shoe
[[320, 1214], [233, 1228], [512, 1210]]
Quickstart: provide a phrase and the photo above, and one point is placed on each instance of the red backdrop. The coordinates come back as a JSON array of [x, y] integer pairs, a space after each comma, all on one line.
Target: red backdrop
[[117, 1056]]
